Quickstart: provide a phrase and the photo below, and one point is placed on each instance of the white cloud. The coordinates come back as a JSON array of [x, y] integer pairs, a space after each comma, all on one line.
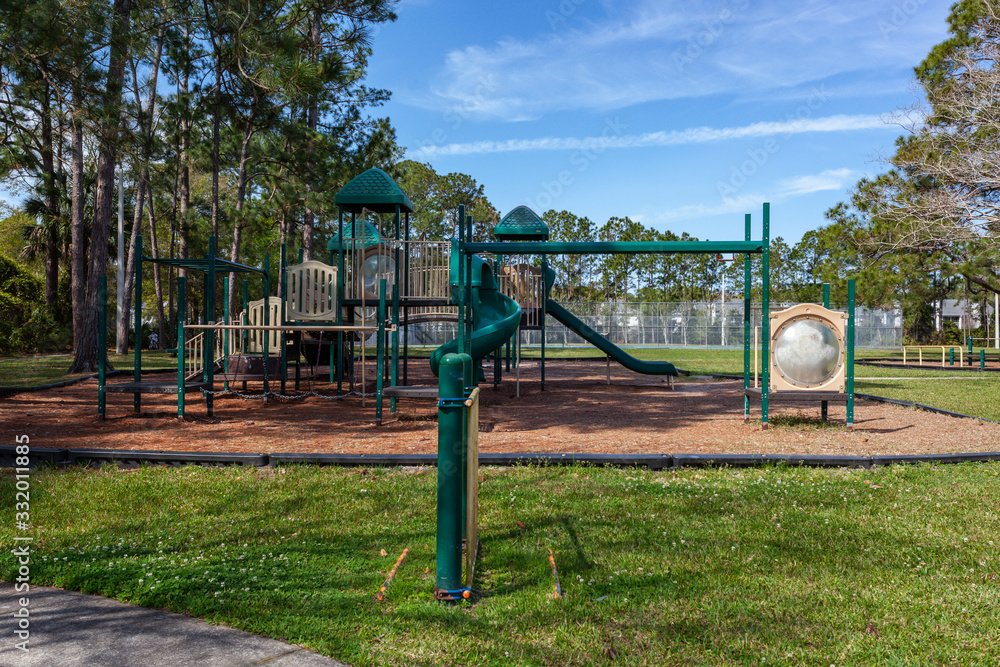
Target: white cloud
[[798, 186], [831, 179], [660, 51], [695, 135]]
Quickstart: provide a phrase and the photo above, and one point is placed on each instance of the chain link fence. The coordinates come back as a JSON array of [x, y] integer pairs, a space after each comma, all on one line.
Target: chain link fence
[[686, 324]]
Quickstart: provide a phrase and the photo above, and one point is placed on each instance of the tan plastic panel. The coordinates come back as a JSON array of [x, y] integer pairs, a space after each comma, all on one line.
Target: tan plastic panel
[[835, 320]]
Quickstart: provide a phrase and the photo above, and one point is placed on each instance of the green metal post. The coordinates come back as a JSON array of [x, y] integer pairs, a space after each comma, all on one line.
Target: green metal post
[[379, 352], [469, 382], [545, 268], [470, 300], [102, 343], [747, 321], [340, 301], [458, 247], [451, 438], [137, 298], [181, 314], [982, 359], [267, 318], [282, 279], [850, 353], [406, 290], [244, 334], [394, 377], [210, 333], [951, 356], [824, 406], [225, 332], [765, 319], [396, 294]]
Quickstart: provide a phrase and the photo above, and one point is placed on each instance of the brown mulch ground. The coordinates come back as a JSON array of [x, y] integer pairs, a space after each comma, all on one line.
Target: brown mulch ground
[[578, 412]]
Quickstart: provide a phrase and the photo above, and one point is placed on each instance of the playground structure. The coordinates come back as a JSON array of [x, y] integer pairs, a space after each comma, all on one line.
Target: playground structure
[[378, 281]]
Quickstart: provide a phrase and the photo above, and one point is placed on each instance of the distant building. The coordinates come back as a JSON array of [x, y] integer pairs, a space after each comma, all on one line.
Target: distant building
[[964, 313]]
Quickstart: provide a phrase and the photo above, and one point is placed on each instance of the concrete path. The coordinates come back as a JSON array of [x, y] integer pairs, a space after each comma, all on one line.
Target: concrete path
[[71, 629]]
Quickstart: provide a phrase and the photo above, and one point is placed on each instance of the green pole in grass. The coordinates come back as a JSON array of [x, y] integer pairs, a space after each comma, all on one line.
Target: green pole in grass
[[181, 314], [850, 353], [951, 356], [451, 381], [137, 364], [982, 359], [102, 342]]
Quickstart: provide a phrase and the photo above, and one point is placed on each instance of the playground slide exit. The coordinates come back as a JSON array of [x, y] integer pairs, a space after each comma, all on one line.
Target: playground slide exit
[[495, 317], [609, 348]]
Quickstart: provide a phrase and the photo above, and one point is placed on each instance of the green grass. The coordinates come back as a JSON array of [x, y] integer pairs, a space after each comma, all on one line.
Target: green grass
[[49, 369], [893, 566]]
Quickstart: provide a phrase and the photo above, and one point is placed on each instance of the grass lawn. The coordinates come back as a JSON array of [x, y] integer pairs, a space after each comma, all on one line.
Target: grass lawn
[[49, 369], [892, 566]]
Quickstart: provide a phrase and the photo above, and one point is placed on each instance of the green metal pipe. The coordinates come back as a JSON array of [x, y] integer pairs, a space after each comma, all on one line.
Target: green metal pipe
[[102, 343], [824, 406], [181, 314], [225, 332], [765, 319], [379, 352], [850, 353], [613, 247], [394, 369], [210, 317], [283, 336], [450, 444], [267, 317], [137, 298], [747, 322]]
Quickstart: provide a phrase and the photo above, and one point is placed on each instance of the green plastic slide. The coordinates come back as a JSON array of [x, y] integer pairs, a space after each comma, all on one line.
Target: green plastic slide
[[495, 318], [609, 348]]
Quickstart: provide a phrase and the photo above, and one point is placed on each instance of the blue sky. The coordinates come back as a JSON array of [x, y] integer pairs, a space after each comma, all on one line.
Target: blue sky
[[683, 115]]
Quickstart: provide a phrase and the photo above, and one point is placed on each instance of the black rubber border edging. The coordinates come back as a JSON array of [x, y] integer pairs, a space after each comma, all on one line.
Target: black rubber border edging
[[7, 392], [920, 406], [131, 458]]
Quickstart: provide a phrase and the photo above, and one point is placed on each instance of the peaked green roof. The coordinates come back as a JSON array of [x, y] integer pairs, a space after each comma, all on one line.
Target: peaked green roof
[[368, 233], [521, 224], [374, 190]]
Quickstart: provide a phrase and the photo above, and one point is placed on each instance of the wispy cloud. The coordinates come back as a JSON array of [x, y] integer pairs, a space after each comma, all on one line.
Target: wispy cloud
[[695, 135], [798, 186], [661, 51]]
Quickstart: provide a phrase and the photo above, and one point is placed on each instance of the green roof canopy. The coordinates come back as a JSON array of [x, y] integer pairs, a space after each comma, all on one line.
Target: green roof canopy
[[369, 234], [373, 190], [521, 224]]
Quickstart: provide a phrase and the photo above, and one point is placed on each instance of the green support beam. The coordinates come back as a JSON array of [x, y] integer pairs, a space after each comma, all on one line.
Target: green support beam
[[102, 343], [137, 298], [615, 248]]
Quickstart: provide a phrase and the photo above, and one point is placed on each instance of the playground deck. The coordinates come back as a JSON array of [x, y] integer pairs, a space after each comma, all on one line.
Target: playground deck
[[578, 412]]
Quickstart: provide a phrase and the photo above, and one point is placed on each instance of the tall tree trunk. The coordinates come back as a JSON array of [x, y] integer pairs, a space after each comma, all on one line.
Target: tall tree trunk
[[78, 257], [185, 177], [157, 284], [86, 354], [241, 193], [51, 204], [145, 116], [312, 121]]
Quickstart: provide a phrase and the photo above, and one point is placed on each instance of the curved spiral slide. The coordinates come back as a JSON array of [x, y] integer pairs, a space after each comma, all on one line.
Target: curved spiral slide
[[495, 318]]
